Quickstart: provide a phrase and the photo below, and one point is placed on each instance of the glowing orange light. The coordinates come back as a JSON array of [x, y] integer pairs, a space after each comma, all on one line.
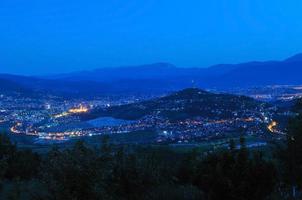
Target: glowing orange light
[[271, 126], [81, 109]]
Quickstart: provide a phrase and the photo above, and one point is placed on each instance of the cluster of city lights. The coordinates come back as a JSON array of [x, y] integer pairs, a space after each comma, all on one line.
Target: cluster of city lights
[[81, 109], [14, 129]]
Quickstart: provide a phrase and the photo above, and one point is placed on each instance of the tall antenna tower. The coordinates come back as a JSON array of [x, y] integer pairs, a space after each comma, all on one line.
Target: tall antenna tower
[[193, 84]]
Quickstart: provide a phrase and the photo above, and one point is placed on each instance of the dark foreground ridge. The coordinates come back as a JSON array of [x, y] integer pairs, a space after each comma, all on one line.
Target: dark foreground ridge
[[133, 173]]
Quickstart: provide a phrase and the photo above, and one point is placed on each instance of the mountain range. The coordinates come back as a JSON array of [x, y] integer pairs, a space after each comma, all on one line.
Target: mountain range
[[161, 77]]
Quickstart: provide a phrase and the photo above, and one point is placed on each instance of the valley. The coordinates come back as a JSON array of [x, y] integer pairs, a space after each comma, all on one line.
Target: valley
[[190, 116]]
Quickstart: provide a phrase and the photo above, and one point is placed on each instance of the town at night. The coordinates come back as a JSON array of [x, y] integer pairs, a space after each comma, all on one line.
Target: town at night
[[150, 100]]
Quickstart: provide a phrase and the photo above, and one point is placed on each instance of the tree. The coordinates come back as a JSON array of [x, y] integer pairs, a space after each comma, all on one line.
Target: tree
[[235, 175], [73, 173], [290, 156]]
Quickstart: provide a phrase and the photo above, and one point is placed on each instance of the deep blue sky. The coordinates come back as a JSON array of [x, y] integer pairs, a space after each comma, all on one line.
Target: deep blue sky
[[54, 36]]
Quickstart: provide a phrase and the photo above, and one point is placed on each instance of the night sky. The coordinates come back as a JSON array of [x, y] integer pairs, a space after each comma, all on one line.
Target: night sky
[[55, 36]]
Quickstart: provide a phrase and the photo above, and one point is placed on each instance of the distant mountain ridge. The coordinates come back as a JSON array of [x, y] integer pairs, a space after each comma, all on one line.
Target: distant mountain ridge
[[163, 77], [287, 72], [223, 75], [295, 58], [11, 86], [150, 71]]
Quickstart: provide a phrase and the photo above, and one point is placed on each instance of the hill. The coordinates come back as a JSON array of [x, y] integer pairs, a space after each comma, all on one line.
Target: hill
[[298, 106], [144, 72], [8, 86], [185, 104], [219, 76], [89, 88], [68, 88], [263, 73], [162, 78]]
